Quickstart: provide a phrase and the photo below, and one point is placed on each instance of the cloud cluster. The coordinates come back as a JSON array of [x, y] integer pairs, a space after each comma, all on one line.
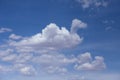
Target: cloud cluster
[[52, 62], [41, 51], [89, 3]]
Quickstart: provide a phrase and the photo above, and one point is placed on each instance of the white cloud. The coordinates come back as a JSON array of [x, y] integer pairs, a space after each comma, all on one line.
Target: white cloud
[[4, 52], [58, 61], [3, 30], [53, 62], [5, 68], [76, 24], [55, 59], [23, 58], [52, 37], [10, 57], [83, 58], [56, 69], [15, 37], [88, 3], [17, 58], [27, 71], [85, 62], [42, 50]]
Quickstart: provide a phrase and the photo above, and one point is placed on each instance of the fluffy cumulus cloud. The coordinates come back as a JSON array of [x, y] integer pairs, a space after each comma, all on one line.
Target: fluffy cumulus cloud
[[76, 24], [85, 62], [52, 37], [41, 52], [3, 30], [89, 3]]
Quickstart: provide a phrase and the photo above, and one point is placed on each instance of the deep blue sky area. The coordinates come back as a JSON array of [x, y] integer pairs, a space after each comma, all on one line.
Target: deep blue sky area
[[101, 37]]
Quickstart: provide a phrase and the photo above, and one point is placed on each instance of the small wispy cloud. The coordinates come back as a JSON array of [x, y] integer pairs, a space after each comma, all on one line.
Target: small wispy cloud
[[108, 28], [15, 37], [96, 3], [77, 24], [3, 30]]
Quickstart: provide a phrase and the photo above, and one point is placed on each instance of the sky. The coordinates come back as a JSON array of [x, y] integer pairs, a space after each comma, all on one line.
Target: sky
[[59, 39]]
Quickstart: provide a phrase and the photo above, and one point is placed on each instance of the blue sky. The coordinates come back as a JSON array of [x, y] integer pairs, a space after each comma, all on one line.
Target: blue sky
[[59, 39]]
